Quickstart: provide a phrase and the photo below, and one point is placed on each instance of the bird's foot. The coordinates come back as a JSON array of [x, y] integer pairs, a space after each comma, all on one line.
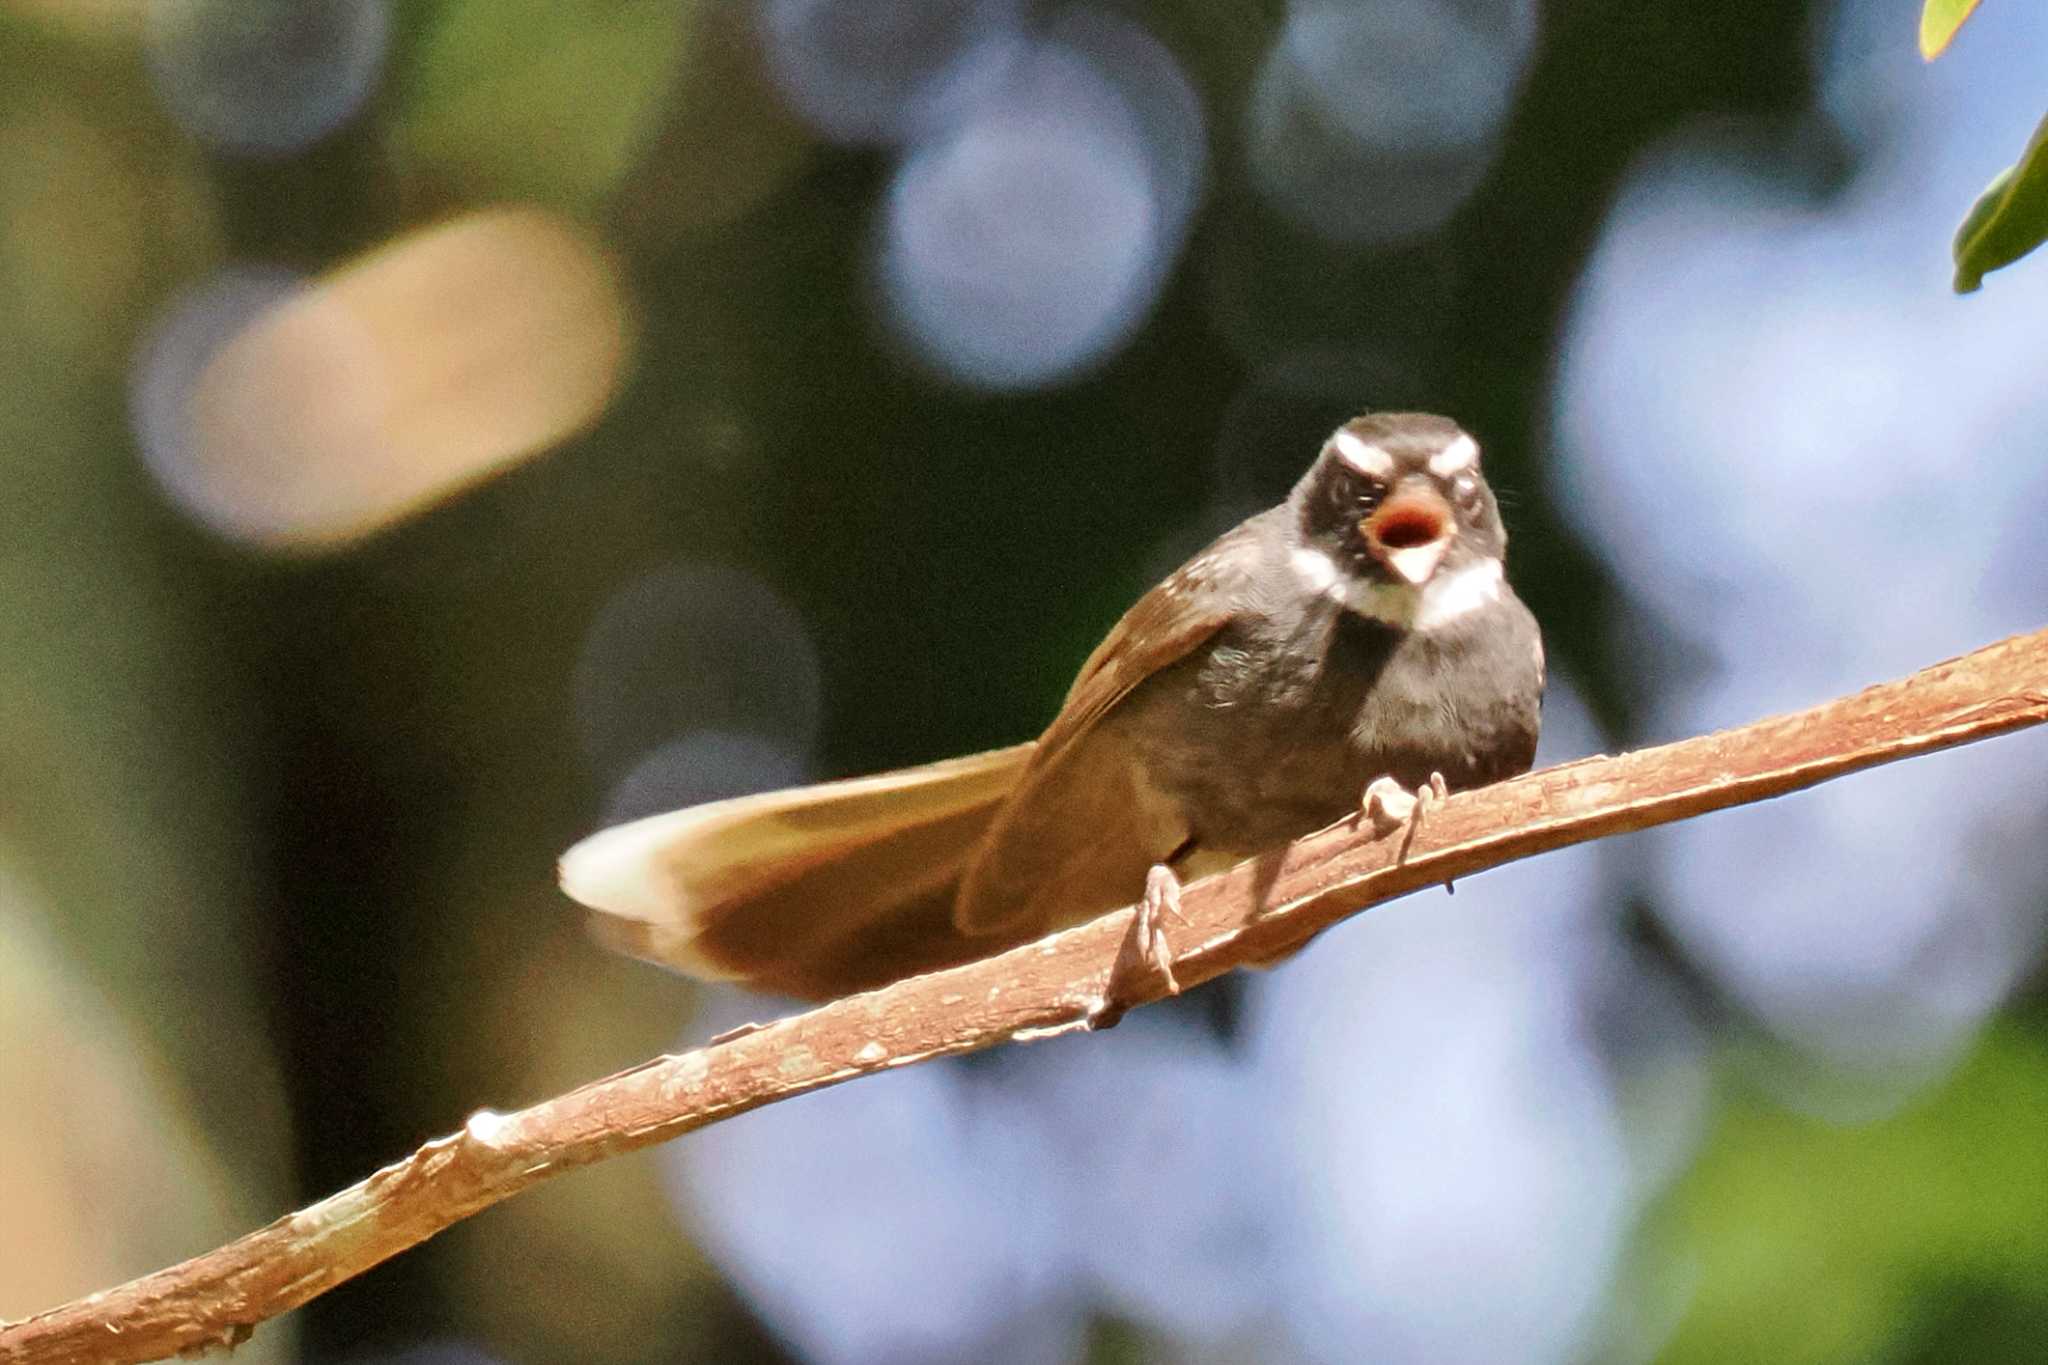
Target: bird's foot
[[1389, 805], [1145, 950], [1161, 902]]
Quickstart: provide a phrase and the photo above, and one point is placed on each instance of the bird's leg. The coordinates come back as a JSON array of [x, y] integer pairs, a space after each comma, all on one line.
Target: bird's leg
[[1144, 948]]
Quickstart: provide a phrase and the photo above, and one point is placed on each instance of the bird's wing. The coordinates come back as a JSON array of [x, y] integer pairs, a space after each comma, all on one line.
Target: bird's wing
[[732, 888], [1161, 628], [1079, 830]]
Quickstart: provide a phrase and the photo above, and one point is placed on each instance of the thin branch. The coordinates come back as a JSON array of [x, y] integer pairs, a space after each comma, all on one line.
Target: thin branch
[[1246, 915]]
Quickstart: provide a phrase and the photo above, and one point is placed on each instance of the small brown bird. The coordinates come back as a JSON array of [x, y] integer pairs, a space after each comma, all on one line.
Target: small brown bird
[[1357, 642]]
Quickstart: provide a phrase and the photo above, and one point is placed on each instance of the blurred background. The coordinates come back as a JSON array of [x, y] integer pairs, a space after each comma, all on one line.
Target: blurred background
[[433, 429]]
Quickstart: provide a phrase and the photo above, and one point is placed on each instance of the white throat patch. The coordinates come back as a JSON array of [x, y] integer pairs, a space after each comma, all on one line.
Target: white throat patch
[[1442, 600]]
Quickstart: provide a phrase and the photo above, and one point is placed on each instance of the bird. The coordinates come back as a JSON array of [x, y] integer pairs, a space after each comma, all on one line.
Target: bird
[[1355, 651]]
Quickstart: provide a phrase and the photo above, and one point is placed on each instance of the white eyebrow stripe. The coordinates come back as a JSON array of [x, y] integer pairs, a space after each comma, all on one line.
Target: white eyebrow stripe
[[1455, 458], [1363, 456]]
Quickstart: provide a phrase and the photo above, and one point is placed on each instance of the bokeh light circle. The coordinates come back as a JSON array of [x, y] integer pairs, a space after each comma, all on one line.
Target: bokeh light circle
[[1028, 240], [687, 649], [265, 77], [884, 70], [1371, 123]]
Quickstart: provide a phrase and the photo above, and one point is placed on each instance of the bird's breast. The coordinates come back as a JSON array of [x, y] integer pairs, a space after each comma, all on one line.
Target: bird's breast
[[1276, 728]]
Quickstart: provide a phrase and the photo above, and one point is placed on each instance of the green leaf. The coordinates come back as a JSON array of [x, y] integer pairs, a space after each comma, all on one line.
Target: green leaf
[[2009, 219], [1938, 24]]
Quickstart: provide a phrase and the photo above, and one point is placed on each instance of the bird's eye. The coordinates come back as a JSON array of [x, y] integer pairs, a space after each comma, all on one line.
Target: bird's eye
[[1359, 491], [1465, 488]]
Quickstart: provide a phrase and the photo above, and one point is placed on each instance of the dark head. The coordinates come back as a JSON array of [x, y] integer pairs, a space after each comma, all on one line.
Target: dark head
[[1396, 499]]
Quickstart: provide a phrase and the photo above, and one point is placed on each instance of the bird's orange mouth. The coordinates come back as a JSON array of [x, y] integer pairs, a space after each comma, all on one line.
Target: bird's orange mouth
[[1409, 534]]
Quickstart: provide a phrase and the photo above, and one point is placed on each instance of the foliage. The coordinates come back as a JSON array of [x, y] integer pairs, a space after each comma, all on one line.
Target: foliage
[[2010, 218], [1939, 22], [1810, 1240]]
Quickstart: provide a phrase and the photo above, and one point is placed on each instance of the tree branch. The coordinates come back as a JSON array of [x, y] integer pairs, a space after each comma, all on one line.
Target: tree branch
[[1249, 914]]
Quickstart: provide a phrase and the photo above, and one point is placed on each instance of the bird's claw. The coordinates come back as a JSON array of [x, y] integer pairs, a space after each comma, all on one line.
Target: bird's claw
[[1161, 902], [1144, 949]]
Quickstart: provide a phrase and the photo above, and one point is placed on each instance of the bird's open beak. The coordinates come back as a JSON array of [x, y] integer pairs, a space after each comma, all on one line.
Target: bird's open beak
[[1409, 533]]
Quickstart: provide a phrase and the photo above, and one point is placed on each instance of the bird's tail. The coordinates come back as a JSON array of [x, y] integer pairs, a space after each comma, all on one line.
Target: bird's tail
[[813, 892]]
